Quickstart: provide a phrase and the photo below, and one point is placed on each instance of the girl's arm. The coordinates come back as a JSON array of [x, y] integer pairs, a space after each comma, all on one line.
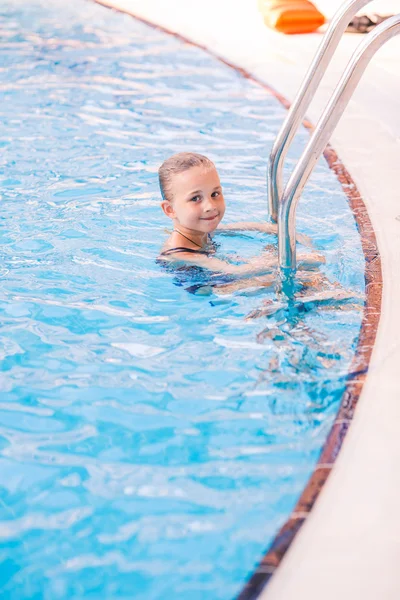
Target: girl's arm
[[256, 281], [257, 265], [263, 228], [249, 226]]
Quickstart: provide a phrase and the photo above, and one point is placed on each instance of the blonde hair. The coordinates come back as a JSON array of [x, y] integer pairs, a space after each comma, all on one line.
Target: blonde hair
[[178, 163]]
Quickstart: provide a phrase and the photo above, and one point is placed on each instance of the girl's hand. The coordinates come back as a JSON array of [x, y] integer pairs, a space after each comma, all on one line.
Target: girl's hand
[[260, 263], [304, 239], [309, 262]]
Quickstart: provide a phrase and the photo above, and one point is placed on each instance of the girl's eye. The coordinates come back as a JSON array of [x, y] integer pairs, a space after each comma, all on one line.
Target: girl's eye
[[215, 195], [195, 199]]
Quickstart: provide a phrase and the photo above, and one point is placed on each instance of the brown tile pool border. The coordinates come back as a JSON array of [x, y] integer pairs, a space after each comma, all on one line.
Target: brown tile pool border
[[359, 366]]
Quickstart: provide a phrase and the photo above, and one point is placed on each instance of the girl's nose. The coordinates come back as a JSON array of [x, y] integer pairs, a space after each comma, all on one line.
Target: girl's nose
[[210, 203]]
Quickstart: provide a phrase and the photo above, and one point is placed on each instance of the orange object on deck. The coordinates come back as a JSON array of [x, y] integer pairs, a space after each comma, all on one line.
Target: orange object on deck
[[291, 16]]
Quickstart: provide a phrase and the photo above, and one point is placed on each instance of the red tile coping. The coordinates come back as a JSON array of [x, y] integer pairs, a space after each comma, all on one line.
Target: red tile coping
[[359, 367]]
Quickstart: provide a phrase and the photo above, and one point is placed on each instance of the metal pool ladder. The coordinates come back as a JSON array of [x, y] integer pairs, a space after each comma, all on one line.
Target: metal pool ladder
[[283, 202]]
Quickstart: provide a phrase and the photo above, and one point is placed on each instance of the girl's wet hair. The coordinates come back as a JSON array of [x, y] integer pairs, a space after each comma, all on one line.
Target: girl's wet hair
[[178, 163]]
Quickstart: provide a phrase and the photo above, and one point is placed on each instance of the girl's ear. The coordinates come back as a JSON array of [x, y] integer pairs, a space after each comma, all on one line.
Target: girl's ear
[[168, 209]]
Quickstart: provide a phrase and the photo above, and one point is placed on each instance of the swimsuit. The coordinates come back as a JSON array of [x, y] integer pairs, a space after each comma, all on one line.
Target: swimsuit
[[181, 249], [200, 279]]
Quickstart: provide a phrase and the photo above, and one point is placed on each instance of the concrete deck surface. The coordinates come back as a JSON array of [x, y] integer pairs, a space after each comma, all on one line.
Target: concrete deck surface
[[349, 547]]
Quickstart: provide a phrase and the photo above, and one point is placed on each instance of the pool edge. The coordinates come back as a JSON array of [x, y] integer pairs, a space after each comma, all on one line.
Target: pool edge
[[361, 359], [355, 381]]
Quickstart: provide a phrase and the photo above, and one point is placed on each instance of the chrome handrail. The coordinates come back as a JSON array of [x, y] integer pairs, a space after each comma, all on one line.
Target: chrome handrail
[[323, 130], [303, 98]]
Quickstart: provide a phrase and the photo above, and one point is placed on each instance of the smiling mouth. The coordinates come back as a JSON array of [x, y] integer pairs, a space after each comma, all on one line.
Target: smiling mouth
[[210, 218]]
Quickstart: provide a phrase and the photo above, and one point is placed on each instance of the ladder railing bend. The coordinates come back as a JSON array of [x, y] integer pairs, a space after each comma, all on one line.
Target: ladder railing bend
[[287, 203], [304, 97]]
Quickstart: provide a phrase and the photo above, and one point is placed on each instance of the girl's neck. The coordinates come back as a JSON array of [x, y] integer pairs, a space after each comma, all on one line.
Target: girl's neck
[[197, 238]]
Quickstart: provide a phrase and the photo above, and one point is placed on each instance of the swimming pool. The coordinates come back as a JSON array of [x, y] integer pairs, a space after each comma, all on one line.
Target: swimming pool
[[152, 441]]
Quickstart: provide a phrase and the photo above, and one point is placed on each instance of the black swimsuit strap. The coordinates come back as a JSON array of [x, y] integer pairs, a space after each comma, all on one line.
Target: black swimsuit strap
[[181, 249]]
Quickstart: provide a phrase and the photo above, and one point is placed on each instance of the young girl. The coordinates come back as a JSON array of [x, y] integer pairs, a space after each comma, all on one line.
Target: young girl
[[194, 201]]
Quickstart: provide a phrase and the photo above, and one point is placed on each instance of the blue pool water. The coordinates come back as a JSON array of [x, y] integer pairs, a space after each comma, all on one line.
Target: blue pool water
[[151, 442]]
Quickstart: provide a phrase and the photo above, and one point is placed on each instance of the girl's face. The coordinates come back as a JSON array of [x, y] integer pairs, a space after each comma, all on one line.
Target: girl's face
[[197, 200]]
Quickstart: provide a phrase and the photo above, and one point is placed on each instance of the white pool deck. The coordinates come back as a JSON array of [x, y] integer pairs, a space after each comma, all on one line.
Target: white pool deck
[[349, 547]]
